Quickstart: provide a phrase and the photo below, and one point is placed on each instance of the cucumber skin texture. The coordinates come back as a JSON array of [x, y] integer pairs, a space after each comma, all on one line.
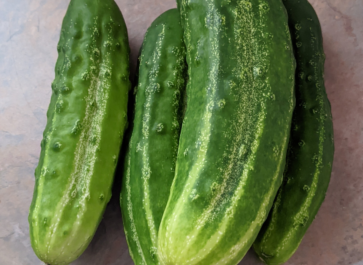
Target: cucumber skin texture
[[86, 119], [150, 161], [311, 147], [235, 131]]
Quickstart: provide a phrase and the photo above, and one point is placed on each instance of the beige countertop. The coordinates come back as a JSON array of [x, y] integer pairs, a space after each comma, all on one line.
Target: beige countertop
[[29, 32]]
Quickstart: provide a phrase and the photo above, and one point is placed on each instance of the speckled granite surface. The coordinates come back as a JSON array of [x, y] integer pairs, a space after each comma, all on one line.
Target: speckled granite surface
[[29, 32]]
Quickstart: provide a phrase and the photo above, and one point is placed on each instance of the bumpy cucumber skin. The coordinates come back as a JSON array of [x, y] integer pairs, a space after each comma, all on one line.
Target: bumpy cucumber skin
[[311, 147], [235, 131], [86, 119], [151, 157]]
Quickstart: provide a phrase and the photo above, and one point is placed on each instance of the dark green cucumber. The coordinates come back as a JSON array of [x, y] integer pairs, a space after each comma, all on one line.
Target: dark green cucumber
[[235, 133], [311, 147], [150, 162], [85, 125]]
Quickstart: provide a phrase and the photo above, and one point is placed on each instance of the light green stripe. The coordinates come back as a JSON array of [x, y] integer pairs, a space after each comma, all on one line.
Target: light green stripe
[[204, 140], [85, 151], [146, 169], [134, 235]]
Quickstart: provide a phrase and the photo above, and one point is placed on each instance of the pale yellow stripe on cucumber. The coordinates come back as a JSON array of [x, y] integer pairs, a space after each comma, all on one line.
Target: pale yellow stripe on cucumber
[[303, 214], [44, 169], [218, 235], [239, 191], [85, 153], [66, 65], [134, 235], [41, 179], [261, 214], [146, 170], [260, 218], [273, 221], [240, 124], [88, 142], [263, 211], [169, 238], [204, 138]]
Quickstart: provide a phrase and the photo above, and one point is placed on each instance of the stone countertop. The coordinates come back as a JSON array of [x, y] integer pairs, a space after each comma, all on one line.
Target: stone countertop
[[29, 32]]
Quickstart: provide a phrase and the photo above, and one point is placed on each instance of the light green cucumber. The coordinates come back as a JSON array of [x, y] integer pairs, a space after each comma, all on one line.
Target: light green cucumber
[[150, 162], [86, 119], [235, 133], [311, 147]]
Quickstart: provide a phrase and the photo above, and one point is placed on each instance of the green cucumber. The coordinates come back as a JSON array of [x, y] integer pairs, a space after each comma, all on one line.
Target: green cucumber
[[235, 132], [150, 161], [311, 147], [86, 119]]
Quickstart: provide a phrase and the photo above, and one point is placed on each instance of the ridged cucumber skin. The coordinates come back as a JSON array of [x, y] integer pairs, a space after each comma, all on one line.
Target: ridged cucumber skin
[[311, 147], [86, 119], [150, 162], [235, 131]]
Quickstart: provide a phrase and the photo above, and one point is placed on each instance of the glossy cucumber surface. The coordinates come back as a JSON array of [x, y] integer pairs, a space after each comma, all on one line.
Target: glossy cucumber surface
[[86, 119], [235, 132], [311, 147], [150, 162]]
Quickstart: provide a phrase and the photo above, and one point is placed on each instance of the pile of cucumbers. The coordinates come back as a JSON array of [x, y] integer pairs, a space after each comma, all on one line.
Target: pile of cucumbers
[[231, 137]]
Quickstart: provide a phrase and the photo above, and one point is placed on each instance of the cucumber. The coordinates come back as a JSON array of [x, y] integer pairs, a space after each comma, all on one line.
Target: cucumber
[[150, 161], [235, 131], [311, 146], [86, 119]]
